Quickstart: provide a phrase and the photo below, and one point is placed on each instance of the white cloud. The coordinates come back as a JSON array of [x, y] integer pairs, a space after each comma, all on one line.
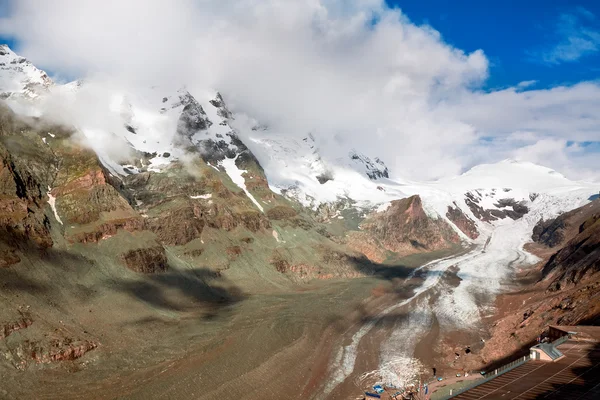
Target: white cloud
[[526, 84], [577, 39], [357, 74]]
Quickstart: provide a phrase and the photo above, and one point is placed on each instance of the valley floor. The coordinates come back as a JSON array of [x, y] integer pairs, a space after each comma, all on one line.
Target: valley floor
[[319, 341], [260, 346]]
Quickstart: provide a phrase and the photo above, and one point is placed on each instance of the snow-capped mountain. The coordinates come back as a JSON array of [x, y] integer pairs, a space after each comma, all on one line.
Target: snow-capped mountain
[[171, 185], [155, 127], [19, 77]]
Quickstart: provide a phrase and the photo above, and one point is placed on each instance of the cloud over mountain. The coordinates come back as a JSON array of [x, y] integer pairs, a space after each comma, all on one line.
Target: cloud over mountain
[[356, 74]]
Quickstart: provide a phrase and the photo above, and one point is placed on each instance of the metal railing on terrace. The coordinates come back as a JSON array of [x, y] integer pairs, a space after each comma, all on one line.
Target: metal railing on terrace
[[503, 369]]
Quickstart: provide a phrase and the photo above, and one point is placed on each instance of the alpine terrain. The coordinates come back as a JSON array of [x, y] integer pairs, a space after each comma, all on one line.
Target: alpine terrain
[[163, 246]]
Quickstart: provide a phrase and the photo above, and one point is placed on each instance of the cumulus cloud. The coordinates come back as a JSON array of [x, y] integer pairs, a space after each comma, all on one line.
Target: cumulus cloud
[[357, 74]]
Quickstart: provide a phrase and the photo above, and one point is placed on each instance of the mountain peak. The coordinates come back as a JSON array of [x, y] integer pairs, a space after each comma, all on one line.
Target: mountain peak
[[510, 173], [374, 169], [20, 77]]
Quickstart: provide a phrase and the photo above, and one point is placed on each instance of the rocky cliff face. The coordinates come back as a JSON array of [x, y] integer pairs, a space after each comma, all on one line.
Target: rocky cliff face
[[578, 260], [502, 208], [404, 228], [462, 221], [23, 199], [374, 169], [553, 233], [549, 233]]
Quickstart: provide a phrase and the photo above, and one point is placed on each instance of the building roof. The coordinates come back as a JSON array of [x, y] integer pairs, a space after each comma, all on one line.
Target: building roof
[[550, 350], [574, 376], [581, 332]]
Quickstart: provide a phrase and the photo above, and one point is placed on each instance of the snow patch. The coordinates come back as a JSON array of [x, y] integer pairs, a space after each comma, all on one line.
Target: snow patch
[[237, 177], [52, 202], [212, 166], [202, 196]]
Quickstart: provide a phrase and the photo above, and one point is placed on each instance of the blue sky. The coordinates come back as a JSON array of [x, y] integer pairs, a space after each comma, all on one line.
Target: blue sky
[[515, 35]]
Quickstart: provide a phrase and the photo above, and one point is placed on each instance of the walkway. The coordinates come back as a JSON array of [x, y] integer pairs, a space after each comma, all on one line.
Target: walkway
[[577, 376]]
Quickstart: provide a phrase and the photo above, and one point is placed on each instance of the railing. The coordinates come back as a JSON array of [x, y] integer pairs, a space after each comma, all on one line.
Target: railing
[[503, 369], [560, 340], [506, 367], [491, 375]]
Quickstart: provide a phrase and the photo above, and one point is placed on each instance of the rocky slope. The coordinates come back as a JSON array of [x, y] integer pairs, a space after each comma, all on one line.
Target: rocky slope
[[168, 208], [561, 290], [404, 229], [579, 259]]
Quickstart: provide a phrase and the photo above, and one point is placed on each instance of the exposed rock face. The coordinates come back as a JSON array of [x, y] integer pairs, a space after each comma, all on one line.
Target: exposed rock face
[[177, 227], [8, 257], [324, 177], [549, 233], [67, 351], [589, 223], [473, 202], [105, 230], [193, 118], [223, 111], [463, 222], [83, 199], [506, 208], [578, 260], [146, 260], [368, 245], [279, 262], [404, 228], [7, 328], [177, 218], [22, 200], [55, 350], [374, 169]]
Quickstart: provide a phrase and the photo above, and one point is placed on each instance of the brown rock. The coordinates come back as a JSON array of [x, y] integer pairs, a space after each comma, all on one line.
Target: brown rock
[[8, 257], [463, 222], [233, 251], [107, 230], [6, 329], [177, 227], [281, 212], [22, 201], [404, 228], [146, 260]]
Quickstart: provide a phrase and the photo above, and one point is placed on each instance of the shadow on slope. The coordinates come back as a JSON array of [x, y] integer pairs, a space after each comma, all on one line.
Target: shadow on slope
[[60, 277], [382, 271], [183, 290]]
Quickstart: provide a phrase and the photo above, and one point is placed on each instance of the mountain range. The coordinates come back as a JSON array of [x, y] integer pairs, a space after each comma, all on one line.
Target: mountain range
[[166, 204]]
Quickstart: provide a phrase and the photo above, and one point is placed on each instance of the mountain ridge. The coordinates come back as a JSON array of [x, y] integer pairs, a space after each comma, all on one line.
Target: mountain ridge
[[165, 205]]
